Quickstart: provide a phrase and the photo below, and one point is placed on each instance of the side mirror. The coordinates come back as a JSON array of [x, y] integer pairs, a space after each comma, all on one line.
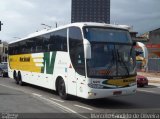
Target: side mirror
[[87, 49]]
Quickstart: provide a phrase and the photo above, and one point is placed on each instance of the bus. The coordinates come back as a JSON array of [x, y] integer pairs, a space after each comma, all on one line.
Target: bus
[[87, 60], [141, 56]]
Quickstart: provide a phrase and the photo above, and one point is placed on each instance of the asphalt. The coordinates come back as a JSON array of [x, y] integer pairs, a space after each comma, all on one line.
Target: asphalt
[[32, 99]]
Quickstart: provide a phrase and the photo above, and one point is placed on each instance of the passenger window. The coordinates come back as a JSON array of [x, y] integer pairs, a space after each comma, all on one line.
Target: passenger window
[[59, 40], [38, 48]]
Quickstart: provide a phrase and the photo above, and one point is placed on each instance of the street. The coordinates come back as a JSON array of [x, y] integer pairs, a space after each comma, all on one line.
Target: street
[[32, 99]]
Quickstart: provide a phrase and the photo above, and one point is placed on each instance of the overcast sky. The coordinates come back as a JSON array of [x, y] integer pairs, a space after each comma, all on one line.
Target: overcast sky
[[22, 17]]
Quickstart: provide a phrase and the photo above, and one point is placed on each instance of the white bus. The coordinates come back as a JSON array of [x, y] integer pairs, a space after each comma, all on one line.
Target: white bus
[[88, 60]]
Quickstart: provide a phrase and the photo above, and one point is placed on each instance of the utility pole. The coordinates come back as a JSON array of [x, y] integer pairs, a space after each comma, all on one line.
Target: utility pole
[[0, 25], [56, 25]]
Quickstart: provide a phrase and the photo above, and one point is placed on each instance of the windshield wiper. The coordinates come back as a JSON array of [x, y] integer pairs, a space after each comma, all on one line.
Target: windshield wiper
[[119, 58], [111, 64]]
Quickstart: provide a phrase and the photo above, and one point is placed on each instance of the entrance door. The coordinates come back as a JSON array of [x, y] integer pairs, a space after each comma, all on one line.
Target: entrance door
[[72, 81], [76, 62]]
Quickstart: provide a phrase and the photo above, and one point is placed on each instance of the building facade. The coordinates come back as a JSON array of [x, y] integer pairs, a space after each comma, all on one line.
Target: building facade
[[3, 51], [153, 46], [153, 43], [90, 11]]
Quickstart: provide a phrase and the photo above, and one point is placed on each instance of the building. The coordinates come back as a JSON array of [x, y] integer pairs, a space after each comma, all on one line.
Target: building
[[90, 11], [153, 43], [3, 51], [153, 46]]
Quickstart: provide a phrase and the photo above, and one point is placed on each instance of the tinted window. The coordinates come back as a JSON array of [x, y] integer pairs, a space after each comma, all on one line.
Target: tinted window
[[11, 49], [31, 43], [58, 40], [76, 50], [55, 41], [46, 41], [107, 35], [39, 47]]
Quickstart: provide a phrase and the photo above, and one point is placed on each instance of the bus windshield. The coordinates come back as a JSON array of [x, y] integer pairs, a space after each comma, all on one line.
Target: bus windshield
[[111, 56], [107, 35]]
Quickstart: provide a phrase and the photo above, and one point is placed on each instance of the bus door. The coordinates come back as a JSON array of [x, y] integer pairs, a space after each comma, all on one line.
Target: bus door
[[80, 71], [72, 81], [76, 52], [76, 70]]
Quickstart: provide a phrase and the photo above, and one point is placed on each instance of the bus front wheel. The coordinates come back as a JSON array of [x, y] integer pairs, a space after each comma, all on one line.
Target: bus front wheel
[[62, 89]]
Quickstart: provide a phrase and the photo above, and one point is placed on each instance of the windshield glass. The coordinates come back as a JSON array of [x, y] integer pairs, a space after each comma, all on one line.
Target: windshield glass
[[107, 35], [112, 53], [110, 60]]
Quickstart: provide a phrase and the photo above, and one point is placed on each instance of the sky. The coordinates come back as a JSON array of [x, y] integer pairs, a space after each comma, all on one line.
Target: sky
[[22, 17]]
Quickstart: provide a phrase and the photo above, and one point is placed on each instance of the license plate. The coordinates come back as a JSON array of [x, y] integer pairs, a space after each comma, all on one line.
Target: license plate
[[117, 92]]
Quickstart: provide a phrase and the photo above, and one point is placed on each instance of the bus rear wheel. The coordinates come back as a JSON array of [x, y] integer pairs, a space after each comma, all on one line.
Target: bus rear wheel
[[15, 77], [20, 79], [62, 89]]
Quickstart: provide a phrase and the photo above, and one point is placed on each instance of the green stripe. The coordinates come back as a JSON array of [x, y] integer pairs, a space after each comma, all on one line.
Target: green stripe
[[48, 65]]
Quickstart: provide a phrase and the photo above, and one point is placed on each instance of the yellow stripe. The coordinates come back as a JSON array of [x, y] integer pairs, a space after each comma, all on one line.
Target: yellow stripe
[[18, 62], [122, 82]]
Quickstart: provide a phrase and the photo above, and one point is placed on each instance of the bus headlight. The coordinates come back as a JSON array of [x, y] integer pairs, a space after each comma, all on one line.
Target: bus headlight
[[97, 86]]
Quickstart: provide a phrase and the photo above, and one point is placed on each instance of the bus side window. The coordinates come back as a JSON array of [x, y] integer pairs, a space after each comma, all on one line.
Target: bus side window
[[38, 48], [51, 47], [22, 47], [60, 38], [46, 40], [12, 49], [32, 50]]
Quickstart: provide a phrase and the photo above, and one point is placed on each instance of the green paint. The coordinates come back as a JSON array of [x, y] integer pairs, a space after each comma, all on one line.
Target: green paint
[[49, 65]]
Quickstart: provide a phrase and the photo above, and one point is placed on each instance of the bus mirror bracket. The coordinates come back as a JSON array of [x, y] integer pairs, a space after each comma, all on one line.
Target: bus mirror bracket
[[87, 49]]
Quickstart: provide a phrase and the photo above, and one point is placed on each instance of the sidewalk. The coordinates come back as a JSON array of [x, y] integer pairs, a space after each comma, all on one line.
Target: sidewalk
[[152, 77]]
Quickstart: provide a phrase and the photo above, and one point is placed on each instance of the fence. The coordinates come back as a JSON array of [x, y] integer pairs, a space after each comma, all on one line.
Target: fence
[[154, 65]]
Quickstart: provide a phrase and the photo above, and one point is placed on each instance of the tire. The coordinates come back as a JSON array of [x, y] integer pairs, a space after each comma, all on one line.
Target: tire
[[21, 83], [141, 85], [62, 89], [15, 77]]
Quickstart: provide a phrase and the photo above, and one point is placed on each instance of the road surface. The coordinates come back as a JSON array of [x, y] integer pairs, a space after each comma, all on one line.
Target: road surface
[[32, 99]]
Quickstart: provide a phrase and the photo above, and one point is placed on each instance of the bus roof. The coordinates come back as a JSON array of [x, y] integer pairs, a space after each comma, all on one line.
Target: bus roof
[[79, 24]]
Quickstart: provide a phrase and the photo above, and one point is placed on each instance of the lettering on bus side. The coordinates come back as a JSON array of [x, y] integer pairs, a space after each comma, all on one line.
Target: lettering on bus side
[[49, 61], [24, 59]]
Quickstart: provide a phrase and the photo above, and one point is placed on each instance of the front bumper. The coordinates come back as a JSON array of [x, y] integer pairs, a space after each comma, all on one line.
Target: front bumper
[[103, 93]]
